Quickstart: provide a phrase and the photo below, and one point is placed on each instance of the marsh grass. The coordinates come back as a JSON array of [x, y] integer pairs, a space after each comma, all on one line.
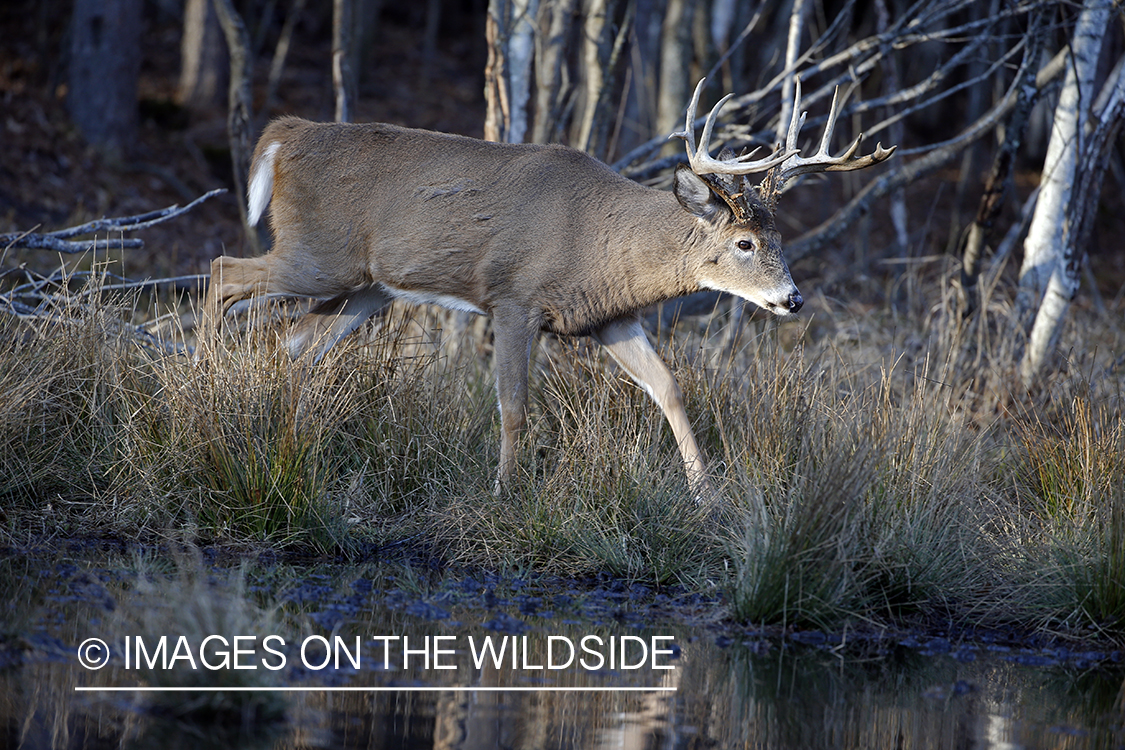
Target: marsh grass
[[66, 389], [865, 471], [195, 602], [1070, 470], [863, 520], [262, 437]]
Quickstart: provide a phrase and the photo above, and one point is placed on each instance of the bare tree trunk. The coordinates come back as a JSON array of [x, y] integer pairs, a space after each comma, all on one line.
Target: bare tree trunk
[[105, 59], [204, 68], [521, 55], [1049, 276], [510, 29], [1091, 164], [551, 89], [792, 52], [898, 213], [675, 65], [1046, 238], [281, 52], [343, 75], [996, 185], [497, 116], [239, 103], [593, 65], [602, 50]]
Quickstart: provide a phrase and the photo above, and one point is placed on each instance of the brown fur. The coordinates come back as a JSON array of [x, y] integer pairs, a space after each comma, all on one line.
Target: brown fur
[[538, 237]]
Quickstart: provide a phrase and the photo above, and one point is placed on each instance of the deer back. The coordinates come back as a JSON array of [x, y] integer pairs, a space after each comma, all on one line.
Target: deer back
[[486, 223]]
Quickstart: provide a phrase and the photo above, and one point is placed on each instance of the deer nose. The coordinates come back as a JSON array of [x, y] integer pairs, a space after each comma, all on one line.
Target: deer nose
[[795, 302]]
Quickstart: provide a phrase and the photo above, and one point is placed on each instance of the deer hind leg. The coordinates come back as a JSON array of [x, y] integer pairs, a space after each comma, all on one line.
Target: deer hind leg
[[232, 280], [333, 319], [628, 345], [236, 279], [514, 332]]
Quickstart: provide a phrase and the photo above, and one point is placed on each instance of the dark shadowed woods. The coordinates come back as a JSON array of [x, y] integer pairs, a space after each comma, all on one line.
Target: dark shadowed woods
[[116, 107]]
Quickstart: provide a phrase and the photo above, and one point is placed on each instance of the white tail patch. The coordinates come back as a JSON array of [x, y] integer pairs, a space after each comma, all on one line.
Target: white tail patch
[[261, 184]]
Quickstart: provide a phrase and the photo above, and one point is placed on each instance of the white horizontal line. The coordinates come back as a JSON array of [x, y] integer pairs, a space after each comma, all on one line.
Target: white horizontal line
[[405, 689]]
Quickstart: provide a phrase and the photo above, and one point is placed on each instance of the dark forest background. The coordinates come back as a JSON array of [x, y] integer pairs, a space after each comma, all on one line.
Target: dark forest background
[[111, 107]]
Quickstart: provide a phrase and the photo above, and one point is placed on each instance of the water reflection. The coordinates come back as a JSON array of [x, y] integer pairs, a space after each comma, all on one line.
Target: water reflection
[[759, 694]]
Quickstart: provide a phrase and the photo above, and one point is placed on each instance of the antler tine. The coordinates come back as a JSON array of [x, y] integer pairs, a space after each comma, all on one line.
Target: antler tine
[[822, 160], [705, 141], [798, 119], [699, 156], [688, 133]]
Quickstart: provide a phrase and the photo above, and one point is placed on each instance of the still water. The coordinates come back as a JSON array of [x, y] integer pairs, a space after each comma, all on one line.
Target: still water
[[378, 657]]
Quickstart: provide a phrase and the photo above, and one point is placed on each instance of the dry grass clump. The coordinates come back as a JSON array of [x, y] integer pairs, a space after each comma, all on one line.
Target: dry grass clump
[[186, 606], [1070, 474], [867, 471], [67, 389], [873, 516], [260, 437]]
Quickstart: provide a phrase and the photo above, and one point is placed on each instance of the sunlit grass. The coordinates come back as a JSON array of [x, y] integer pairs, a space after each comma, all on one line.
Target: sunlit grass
[[857, 481]]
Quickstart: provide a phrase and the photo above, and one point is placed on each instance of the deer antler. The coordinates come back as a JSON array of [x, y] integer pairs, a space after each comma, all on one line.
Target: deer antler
[[700, 159], [784, 164], [796, 165]]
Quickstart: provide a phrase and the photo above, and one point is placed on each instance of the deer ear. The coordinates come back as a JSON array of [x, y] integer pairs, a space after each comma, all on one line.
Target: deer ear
[[695, 195]]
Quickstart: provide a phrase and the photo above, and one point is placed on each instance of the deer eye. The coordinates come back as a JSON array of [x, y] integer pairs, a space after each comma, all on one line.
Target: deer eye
[[746, 245]]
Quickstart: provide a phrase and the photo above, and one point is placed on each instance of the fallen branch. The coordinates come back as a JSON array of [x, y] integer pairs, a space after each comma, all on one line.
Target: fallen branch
[[50, 299], [60, 241], [54, 299]]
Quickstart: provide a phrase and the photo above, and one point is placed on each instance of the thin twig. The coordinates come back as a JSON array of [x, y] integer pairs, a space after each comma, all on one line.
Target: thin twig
[[50, 299], [59, 240]]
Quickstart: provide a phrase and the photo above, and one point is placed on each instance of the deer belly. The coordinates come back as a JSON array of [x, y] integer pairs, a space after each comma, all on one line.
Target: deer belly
[[416, 297]]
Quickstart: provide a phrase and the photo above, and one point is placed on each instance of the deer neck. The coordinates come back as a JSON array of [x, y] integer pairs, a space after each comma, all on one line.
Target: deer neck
[[653, 265], [659, 262]]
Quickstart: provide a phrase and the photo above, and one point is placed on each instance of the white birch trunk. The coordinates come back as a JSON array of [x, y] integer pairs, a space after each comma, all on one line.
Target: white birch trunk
[[521, 53], [792, 52], [1043, 247], [1049, 276], [510, 29], [343, 77]]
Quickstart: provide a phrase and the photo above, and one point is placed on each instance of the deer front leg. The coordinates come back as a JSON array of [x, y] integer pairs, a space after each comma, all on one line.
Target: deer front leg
[[627, 343], [513, 332]]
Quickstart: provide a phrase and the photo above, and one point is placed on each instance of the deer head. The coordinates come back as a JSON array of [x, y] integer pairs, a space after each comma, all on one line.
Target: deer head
[[709, 185]]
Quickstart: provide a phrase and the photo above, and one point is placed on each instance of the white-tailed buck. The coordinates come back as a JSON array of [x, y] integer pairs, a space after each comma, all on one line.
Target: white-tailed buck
[[542, 238]]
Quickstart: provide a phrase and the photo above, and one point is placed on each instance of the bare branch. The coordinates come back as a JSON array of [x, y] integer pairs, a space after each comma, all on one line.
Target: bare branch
[[59, 240], [935, 157], [52, 299], [920, 25], [35, 241]]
